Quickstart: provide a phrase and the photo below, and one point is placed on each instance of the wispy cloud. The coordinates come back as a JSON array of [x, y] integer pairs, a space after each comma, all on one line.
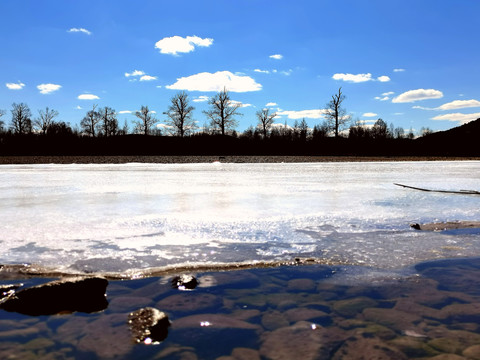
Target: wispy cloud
[[48, 88], [276, 56], [417, 95], [125, 112], [135, 73], [270, 104], [458, 117], [369, 114], [459, 104], [87, 97], [80, 30], [201, 98], [262, 71], [15, 86], [206, 81], [383, 78], [398, 70], [148, 78], [359, 78], [300, 114], [177, 44], [385, 96]]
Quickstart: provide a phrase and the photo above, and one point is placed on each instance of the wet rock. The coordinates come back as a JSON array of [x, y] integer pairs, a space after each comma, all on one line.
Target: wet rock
[[184, 282], [359, 348], [245, 354], [351, 307], [410, 306], [413, 347], [391, 318], [446, 345], [472, 352], [148, 325], [462, 312], [8, 290], [246, 314], [300, 341], [301, 285], [299, 314], [449, 225], [190, 302], [375, 330], [273, 320], [62, 296], [447, 357]]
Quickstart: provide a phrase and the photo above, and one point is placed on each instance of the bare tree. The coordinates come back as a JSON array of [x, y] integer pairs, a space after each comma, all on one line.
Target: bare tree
[[108, 121], [335, 113], [144, 125], [223, 111], [2, 123], [90, 121], [265, 120], [180, 115], [21, 122], [45, 119]]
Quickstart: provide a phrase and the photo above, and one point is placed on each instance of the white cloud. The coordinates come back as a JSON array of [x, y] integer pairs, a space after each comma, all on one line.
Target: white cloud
[[80, 30], [383, 78], [459, 104], [216, 82], [270, 104], [15, 86], [135, 73], [369, 114], [398, 70], [280, 126], [262, 71], [276, 56], [234, 102], [78, 107], [177, 44], [310, 114], [417, 95], [148, 78], [382, 98], [48, 88], [201, 98], [353, 78], [388, 93], [87, 97], [462, 118], [286, 72], [125, 112]]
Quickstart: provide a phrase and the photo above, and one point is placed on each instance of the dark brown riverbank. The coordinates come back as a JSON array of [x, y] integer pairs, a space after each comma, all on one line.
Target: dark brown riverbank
[[208, 159]]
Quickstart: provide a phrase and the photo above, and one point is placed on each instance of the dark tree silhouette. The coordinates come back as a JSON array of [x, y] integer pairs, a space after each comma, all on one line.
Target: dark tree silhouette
[[265, 120], [21, 119], [108, 121], [223, 110], [380, 130], [180, 115], [45, 119], [2, 123], [335, 113], [90, 122], [144, 125]]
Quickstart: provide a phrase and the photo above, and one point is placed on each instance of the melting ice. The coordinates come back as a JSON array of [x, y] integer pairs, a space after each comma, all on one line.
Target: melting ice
[[136, 216]]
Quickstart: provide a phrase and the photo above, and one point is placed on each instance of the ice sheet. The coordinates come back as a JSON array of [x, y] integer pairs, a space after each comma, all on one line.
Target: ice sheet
[[135, 216]]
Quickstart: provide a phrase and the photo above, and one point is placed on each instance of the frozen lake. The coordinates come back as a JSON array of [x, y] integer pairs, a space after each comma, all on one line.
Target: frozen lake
[[122, 217]]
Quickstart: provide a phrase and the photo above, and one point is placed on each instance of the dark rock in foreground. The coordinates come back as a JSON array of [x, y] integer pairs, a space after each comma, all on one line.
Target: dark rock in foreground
[[450, 225], [184, 282], [59, 297], [148, 325]]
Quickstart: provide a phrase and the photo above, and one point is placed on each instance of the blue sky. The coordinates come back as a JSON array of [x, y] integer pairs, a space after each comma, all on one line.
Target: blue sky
[[413, 63]]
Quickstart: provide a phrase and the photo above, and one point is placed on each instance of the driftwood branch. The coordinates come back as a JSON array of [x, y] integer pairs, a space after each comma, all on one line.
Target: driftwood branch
[[462, 192]]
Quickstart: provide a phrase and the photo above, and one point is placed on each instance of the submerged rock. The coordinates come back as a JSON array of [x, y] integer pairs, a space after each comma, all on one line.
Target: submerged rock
[[59, 297], [148, 325], [184, 282]]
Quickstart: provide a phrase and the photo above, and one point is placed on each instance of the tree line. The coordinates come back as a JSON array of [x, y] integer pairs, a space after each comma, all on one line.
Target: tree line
[[100, 127]]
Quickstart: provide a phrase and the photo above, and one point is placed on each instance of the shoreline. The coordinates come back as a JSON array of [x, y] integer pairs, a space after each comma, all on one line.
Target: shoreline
[[187, 159]]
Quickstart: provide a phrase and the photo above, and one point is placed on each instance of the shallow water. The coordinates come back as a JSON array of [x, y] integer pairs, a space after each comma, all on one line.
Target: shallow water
[[132, 217], [276, 313]]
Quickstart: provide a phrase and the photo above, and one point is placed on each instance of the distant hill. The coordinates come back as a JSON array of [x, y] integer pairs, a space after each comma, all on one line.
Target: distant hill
[[462, 140]]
